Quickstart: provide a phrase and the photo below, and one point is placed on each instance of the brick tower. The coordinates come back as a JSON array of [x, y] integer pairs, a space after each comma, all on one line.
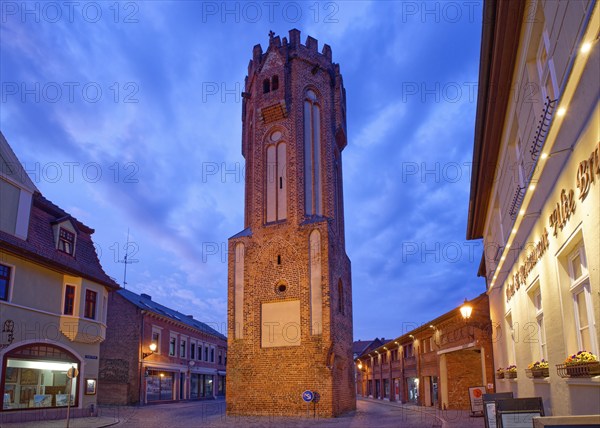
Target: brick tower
[[289, 283]]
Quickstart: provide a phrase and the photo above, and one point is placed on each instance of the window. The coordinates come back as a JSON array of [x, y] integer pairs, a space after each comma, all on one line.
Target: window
[[512, 353], [172, 345], [156, 339], [4, 281], [536, 299], [266, 86], [312, 155], [90, 304], [192, 351], [275, 83], [220, 358], [69, 300], [66, 241], [212, 354], [206, 353], [182, 345], [582, 300]]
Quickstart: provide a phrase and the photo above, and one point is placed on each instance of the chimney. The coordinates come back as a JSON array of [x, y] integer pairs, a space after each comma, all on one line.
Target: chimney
[[190, 316], [146, 296]]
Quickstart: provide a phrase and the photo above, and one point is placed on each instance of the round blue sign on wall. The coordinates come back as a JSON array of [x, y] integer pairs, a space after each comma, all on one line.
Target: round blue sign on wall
[[307, 396]]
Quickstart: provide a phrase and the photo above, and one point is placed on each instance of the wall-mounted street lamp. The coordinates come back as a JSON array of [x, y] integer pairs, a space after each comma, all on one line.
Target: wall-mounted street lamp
[[466, 310], [152, 348], [359, 365]]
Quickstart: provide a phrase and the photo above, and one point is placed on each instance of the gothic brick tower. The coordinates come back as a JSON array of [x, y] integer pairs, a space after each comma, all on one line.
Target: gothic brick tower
[[289, 283]]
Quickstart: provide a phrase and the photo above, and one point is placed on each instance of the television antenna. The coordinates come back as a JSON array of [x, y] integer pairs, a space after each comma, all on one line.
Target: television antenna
[[126, 260]]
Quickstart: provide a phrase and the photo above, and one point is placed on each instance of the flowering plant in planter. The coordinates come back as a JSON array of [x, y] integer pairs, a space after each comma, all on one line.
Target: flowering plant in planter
[[581, 364], [538, 369], [510, 372], [538, 365], [500, 373], [581, 357]]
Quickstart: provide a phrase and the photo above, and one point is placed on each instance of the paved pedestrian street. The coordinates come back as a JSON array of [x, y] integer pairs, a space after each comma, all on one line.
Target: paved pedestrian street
[[369, 413]]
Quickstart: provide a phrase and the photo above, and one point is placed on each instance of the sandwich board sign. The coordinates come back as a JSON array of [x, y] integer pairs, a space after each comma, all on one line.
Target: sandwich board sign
[[489, 407], [518, 412], [476, 399]]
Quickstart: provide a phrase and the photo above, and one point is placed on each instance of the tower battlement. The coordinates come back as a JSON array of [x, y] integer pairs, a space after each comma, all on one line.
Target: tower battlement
[[292, 48]]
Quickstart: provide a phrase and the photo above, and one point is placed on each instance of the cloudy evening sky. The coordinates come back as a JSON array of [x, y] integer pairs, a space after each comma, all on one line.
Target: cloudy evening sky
[[128, 116]]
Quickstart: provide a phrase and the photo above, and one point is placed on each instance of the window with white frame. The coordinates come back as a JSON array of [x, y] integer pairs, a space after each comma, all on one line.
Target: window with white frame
[[535, 295], [4, 282], [205, 352], [182, 348], [582, 300], [172, 345], [192, 350], [156, 338], [511, 338]]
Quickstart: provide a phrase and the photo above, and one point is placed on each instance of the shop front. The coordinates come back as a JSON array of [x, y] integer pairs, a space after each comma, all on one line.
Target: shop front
[[160, 385], [35, 376], [201, 386]]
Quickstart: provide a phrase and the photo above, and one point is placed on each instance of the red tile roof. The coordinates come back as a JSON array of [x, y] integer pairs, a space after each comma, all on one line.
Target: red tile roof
[[41, 247]]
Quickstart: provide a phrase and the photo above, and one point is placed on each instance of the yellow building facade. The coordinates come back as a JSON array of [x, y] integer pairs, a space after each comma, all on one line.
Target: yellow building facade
[[53, 302]]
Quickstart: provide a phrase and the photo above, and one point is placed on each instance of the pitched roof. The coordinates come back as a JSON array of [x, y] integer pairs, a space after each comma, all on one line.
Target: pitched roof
[[360, 347], [146, 303], [40, 245]]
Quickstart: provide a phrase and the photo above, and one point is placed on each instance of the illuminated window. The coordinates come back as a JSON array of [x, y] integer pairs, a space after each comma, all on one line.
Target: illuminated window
[[172, 346], [582, 300]]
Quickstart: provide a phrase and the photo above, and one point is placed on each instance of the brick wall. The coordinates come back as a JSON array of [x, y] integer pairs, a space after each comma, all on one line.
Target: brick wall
[[270, 381]]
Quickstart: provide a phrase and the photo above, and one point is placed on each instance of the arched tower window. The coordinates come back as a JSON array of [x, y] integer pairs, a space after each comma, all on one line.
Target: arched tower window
[[312, 154], [266, 86], [276, 179], [275, 83]]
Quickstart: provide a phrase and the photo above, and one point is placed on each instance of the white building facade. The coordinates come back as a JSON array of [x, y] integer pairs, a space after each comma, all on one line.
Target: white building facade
[[535, 193]]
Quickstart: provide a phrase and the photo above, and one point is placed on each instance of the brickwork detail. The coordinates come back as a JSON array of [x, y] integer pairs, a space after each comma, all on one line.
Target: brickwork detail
[[277, 258]]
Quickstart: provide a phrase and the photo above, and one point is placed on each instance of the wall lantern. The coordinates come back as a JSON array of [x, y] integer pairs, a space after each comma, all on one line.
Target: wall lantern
[[466, 310], [153, 347]]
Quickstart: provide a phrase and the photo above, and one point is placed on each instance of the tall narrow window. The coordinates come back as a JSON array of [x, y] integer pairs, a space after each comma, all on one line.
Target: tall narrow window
[[538, 312], [90, 304], [66, 241], [156, 339], [337, 177], [4, 282], [266, 86], [312, 155], [512, 339], [275, 83], [276, 182], [172, 345], [182, 349], [192, 351], [69, 300], [582, 300]]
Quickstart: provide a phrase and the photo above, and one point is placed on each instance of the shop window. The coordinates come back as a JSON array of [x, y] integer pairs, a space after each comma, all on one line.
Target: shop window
[[159, 385], [69, 305], [35, 376], [91, 298], [4, 282], [66, 241]]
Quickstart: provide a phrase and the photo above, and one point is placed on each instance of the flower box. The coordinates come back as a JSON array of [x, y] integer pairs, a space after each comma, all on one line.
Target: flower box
[[537, 372], [585, 369], [499, 375], [510, 375]]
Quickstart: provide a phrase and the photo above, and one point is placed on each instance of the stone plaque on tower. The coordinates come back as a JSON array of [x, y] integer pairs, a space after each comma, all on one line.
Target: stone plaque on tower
[[289, 281]]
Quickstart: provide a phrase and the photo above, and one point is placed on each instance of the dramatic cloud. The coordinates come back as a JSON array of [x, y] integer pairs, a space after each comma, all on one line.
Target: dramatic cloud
[[130, 119]]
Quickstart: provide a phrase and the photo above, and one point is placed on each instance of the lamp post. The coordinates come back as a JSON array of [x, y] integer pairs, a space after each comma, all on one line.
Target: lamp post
[[466, 310]]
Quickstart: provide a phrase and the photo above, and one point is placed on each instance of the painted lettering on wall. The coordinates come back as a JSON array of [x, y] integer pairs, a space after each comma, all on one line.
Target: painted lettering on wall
[[563, 210], [519, 278], [587, 172]]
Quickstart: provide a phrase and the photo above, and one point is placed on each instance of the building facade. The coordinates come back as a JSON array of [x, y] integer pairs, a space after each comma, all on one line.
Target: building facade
[[433, 364], [290, 291], [53, 303], [153, 354], [535, 194]]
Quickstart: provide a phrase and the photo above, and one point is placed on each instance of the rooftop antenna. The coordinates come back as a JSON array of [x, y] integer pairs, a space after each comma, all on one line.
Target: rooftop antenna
[[126, 260]]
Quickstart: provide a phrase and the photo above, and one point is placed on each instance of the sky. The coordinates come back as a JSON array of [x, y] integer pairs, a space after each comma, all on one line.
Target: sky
[[128, 116]]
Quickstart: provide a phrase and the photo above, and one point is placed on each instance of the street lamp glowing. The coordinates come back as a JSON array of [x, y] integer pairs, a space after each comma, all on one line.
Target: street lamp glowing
[[153, 347], [466, 310], [360, 366]]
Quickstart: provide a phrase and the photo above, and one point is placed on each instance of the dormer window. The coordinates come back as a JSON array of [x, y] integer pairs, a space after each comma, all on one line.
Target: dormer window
[[66, 241]]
